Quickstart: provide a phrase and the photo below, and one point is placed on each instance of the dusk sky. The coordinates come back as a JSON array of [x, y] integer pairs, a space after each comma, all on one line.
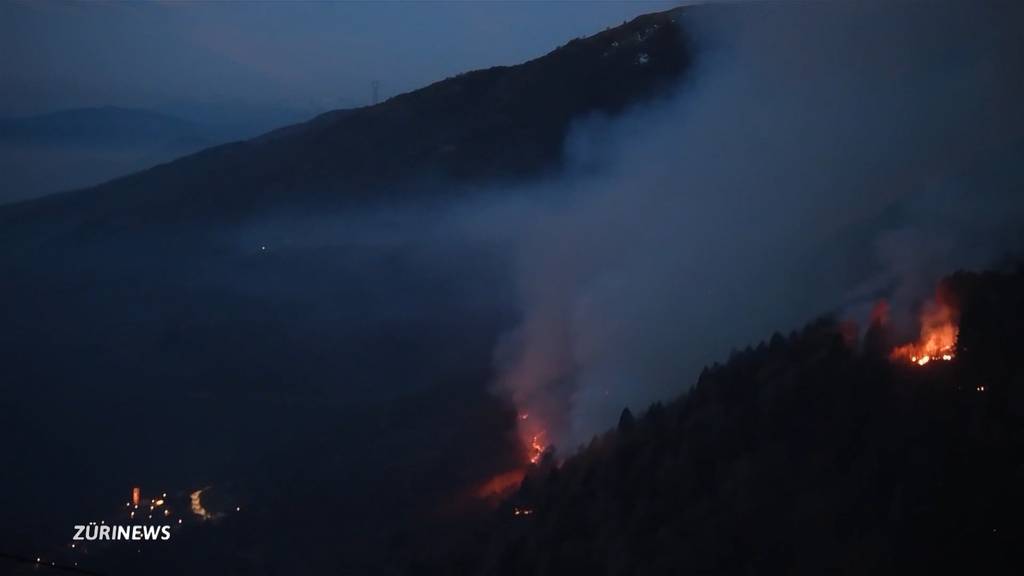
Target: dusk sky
[[309, 56]]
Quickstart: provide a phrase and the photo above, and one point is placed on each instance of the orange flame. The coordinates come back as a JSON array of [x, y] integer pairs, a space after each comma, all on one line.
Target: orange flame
[[537, 447], [533, 439], [937, 341], [532, 434]]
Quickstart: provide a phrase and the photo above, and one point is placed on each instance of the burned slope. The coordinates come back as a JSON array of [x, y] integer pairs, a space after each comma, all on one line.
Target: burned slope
[[802, 456]]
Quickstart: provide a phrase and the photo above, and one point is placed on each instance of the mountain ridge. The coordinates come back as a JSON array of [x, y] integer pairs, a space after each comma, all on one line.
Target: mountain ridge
[[504, 122]]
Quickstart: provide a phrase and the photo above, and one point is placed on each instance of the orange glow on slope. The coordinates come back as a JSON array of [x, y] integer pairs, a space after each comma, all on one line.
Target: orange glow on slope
[[501, 483], [136, 495], [937, 341], [532, 437]]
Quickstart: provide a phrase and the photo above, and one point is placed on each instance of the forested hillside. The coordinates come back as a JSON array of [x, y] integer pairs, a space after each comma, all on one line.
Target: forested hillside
[[810, 454]]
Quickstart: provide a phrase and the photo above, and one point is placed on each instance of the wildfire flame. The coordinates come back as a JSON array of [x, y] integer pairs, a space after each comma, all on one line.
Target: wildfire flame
[[533, 438], [937, 341], [537, 447]]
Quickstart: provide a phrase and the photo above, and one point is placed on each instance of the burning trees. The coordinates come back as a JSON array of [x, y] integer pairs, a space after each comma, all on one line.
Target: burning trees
[[937, 339]]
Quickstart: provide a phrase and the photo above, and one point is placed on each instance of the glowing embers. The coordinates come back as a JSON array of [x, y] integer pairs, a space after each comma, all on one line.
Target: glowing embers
[[937, 342], [928, 358], [534, 446], [537, 447], [533, 436]]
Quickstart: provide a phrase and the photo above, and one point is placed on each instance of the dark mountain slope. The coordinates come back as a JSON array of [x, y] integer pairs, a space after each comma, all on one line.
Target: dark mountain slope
[[803, 456], [502, 122]]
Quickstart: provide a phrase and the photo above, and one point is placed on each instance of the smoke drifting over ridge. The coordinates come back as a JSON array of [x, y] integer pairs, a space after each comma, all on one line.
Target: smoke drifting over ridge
[[817, 156]]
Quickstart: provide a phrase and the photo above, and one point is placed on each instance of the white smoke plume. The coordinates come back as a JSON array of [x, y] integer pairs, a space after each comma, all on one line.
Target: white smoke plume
[[817, 155]]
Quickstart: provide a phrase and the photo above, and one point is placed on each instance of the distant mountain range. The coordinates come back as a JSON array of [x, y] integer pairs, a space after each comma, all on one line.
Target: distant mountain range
[[85, 146], [102, 127]]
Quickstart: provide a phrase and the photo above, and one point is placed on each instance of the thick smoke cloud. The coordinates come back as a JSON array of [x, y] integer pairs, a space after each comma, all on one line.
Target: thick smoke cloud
[[817, 157]]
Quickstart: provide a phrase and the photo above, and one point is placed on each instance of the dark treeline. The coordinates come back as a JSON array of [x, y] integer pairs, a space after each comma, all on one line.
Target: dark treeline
[[808, 454]]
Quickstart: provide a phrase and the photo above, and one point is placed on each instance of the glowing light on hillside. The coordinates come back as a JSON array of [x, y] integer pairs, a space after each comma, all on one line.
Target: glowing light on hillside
[[501, 483], [196, 501], [937, 341], [537, 447]]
